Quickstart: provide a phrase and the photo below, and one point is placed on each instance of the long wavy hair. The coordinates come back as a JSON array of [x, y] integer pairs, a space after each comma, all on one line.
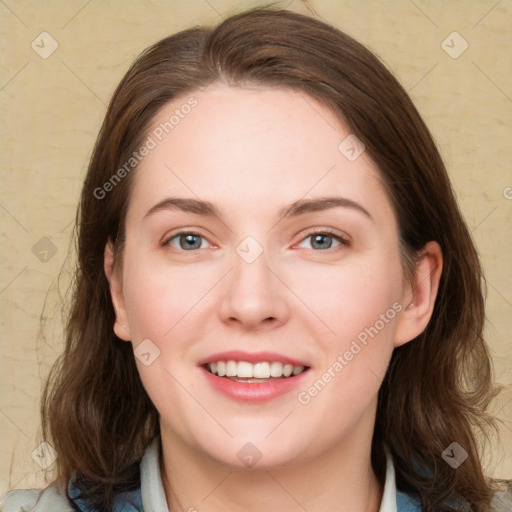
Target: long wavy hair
[[95, 411]]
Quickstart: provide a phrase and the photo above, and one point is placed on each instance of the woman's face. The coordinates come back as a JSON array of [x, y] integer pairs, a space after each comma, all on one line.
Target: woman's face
[[222, 263]]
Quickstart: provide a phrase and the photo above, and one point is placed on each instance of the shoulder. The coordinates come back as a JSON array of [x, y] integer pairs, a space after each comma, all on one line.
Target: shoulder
[[406, 503], [502, 500], [52, 498]]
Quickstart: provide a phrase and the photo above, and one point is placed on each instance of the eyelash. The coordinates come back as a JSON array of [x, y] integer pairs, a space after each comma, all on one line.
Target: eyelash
[[343, 241]]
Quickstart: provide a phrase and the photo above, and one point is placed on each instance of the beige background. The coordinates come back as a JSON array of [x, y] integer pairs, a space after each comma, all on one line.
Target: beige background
[[52, 109]]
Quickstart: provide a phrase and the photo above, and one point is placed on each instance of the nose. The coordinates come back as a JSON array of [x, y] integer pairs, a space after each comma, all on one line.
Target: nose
[[253, 296]]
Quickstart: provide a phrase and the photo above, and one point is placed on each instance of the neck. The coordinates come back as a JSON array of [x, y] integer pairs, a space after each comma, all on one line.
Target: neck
[[340, 479]]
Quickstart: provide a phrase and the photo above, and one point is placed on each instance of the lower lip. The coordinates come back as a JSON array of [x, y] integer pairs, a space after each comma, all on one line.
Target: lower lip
[[253, 392]]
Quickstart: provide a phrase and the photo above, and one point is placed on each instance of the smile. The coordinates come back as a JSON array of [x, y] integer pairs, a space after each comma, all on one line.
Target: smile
[[253, 377], [243, 371]]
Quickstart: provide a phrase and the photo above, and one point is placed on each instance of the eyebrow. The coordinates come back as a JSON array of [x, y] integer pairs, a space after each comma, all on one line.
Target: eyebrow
[[299, 207]]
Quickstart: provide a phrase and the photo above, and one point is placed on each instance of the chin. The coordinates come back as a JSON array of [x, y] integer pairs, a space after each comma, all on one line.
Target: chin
[[256, 453]]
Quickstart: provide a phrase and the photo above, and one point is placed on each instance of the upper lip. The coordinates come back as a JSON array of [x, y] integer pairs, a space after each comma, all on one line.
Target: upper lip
[[251, 357]]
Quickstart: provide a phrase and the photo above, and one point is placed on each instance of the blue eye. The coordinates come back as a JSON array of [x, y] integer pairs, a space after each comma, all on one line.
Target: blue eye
[[186, 240], [323, 240], [189, 241]]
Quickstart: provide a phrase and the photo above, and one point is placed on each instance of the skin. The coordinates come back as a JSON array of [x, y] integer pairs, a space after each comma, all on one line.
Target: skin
[[251, 152]]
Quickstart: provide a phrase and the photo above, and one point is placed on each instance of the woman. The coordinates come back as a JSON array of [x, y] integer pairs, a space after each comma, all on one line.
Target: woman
[[278, 305]]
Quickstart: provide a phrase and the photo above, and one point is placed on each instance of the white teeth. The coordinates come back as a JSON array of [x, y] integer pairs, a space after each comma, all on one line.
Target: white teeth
[[297, 370], [263, 370], [289, 368], [231, 368], [276, 369], [244, 369]]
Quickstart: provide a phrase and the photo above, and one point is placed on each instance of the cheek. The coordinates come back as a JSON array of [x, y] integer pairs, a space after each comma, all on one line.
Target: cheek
[[160, 301], [368, 304], [359, 304], [158, 297], [349, 299]]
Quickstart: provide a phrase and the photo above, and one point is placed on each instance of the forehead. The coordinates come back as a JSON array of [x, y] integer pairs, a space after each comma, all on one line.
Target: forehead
[[249, 147]]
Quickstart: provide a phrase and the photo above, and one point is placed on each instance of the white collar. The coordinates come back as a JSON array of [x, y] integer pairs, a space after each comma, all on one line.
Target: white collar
[[388, 503], [153, 495]]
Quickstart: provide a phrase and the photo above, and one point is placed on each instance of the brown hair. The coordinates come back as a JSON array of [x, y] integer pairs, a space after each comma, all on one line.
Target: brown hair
[[95, 410]]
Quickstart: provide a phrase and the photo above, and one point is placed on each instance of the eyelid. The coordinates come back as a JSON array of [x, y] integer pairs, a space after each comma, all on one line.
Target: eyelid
[[168, 237], [343, 239]]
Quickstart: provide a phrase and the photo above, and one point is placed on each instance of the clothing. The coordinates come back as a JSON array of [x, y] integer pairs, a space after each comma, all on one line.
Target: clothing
[[151, 496]]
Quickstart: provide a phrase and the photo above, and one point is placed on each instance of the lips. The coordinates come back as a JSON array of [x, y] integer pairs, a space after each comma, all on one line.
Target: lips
[[253, 377]]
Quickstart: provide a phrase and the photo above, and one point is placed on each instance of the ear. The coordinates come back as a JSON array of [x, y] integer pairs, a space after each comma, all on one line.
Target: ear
[[114, 278], [419, 297]]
